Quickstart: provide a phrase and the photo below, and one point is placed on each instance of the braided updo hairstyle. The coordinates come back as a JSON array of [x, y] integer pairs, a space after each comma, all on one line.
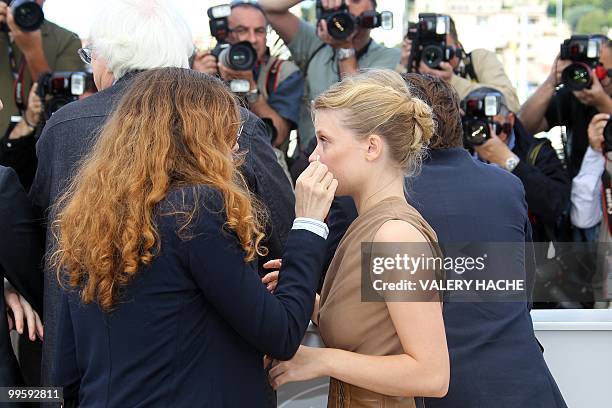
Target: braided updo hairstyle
[[378, 101]]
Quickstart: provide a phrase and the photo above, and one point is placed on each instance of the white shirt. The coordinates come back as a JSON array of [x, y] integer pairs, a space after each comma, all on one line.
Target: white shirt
[[586, 209]]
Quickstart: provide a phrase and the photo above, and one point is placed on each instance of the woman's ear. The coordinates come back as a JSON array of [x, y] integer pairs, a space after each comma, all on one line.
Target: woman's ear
[[374, 145]]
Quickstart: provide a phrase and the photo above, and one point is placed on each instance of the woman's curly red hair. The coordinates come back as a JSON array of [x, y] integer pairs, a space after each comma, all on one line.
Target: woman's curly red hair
[[173, 128]]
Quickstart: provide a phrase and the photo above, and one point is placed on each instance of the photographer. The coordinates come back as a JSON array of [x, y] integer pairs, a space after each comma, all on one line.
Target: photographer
[[534, 161], [464, 71], [323, 59], [275, 86], [586, 209], [30, 54], [549, 107], [18, 147]]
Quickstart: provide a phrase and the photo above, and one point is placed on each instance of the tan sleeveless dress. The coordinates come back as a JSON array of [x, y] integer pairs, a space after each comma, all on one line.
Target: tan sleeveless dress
[[347, 323]]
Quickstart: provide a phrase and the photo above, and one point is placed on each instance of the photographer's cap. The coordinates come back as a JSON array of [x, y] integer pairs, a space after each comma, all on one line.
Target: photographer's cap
[[253, 3]]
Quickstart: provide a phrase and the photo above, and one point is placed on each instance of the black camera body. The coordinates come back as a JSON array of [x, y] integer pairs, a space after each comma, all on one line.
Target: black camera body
[[341, 23], [429, 44], [608, 137], [479, 113], [584, 51], [57, 89], [28, 14], [240, 56]]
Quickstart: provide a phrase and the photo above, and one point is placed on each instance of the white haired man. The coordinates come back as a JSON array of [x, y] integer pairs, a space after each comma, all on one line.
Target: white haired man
[[127, 37]]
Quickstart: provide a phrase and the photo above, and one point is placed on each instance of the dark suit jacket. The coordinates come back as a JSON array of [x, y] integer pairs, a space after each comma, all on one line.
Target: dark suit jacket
[[191, 329], [71, 132], [547, 185], [21, 254], [495, 357]]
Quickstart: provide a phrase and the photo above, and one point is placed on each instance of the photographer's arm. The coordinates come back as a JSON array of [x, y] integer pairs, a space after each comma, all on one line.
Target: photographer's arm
[[282, 20], [262, 109], [31, 45], [533, 111]]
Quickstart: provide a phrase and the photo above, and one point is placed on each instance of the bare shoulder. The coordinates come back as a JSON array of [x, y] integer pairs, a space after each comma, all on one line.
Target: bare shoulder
[[398, 231]]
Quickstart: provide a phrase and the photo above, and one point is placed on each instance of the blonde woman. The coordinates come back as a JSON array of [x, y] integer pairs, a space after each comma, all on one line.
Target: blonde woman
[[157, 238], [371, 132]]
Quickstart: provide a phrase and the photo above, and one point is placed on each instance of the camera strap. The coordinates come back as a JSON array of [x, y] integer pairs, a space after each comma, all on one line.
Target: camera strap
[[606, 198], [467, 69], [17, 71]]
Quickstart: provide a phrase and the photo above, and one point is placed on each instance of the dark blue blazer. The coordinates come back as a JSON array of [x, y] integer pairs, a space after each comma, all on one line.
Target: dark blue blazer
[[495, 357], [70, 134], [192, 328]]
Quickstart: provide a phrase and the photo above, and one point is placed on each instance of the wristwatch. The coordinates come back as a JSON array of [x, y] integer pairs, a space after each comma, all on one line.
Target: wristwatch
[[511, 163], [345, 53], [252, 96]]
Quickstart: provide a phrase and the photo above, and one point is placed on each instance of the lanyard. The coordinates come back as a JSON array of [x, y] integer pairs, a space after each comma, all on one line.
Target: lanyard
[[606, 197], [17, 71]]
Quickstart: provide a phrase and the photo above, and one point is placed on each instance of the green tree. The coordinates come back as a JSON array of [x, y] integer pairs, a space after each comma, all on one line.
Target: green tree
[[595, 21], [585, 16]]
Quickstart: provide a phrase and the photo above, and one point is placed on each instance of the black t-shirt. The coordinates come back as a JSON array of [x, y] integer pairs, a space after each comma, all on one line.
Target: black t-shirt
[[566, 110]]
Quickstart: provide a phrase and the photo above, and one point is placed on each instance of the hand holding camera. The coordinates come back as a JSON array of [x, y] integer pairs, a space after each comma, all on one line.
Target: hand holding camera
[[584, 52], [597, 141], [206, 63], [555, 76], [326, 37], [229, 74], [23, 19], [494, 150], [337, 26], [445, 70], [430, 52], [595, 96], [31, 117], [231, 58]]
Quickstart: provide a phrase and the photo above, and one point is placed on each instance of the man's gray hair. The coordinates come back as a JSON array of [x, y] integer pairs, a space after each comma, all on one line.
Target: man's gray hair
[[134, 35]]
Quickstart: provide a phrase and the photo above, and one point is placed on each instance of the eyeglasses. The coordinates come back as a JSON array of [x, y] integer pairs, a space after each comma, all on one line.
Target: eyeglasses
[[85, 54], [240, 31], [240, 129]]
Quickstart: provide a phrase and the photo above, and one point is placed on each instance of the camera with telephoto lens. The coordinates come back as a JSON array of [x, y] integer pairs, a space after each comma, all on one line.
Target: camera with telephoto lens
[[240, 56], [57, 89], [28, 15], [584, 51], [479, 113], [429, 44], [341, 23]]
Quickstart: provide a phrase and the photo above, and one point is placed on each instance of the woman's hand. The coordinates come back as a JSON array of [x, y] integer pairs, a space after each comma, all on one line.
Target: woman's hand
[[314, 192], [271, 279], [23, 312], [308, 363]]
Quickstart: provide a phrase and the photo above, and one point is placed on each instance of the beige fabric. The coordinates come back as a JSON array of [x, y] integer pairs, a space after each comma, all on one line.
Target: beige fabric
[[345, 322], [343, 395], [490, 73]]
